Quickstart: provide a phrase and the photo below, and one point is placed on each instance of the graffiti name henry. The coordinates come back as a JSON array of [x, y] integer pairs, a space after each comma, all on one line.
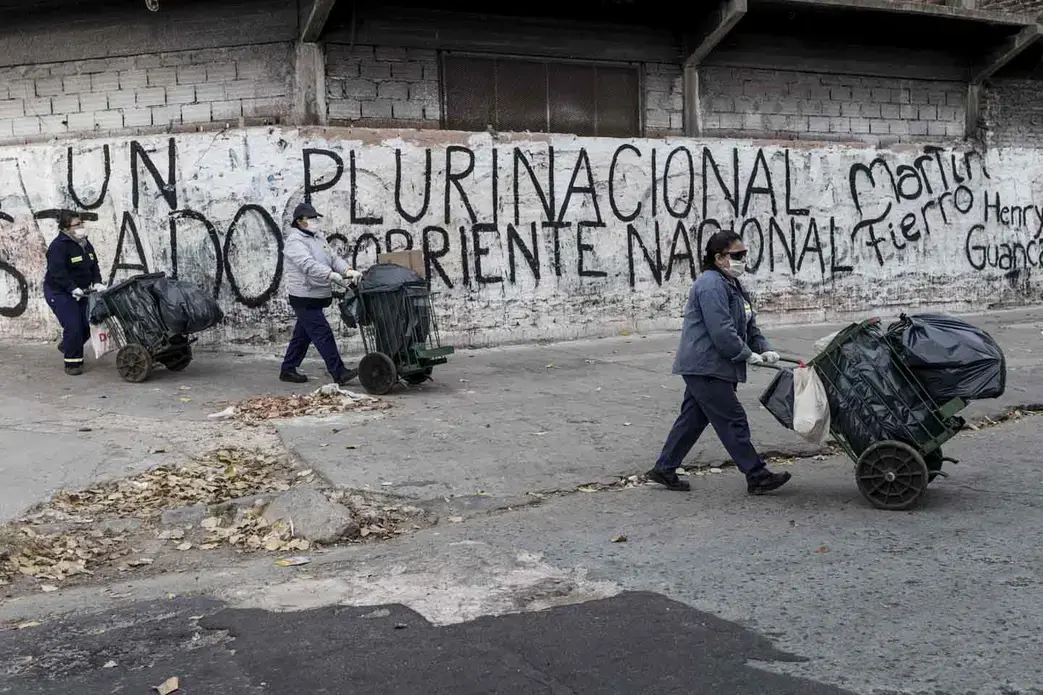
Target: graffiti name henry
[[1002, 250], [684, 197], [900, 204]]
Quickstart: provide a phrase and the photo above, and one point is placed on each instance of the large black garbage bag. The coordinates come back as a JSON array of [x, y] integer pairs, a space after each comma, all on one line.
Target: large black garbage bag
[[132, 303], [185, 308], [871, 397], [778, 398], [952, 358], [393, 302]]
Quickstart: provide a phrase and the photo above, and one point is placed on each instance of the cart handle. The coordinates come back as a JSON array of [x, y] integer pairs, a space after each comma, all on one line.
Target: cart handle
[[783, 358]]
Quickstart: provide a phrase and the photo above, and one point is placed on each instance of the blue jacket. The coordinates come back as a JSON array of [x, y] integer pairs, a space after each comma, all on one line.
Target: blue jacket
[[719, 330], [70, 265]]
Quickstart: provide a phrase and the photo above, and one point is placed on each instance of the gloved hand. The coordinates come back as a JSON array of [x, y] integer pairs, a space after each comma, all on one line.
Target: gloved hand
[[338, 279], [754, 358], [770, 357], [352, 276], [77, 294], [98, 287]]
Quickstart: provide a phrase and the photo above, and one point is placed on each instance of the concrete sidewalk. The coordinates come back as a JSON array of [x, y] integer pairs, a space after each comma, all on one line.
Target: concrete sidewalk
[[494, 425]]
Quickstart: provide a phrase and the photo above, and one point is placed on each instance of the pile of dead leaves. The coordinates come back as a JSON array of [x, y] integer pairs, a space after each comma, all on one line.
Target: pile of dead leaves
[[251, 531], [328, 400], [220, 476], [57, 557], [379, 520]]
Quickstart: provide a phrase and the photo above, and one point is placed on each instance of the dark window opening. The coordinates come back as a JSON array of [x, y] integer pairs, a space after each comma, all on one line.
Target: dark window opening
[[513, 94]]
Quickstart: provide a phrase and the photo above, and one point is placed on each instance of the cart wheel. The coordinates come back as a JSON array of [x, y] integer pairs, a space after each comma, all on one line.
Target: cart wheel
[[417, 378], [377, 373], [892, 475], [134, 363]]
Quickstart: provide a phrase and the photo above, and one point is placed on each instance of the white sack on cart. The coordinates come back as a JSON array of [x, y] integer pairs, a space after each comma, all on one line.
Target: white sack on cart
[[810, 406]]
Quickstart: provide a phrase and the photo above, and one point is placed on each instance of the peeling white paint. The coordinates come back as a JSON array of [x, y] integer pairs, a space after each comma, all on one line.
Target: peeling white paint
[[953, 230]]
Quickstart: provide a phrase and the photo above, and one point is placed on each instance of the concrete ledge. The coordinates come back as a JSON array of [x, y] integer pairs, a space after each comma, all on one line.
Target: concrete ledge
[[923, 9]]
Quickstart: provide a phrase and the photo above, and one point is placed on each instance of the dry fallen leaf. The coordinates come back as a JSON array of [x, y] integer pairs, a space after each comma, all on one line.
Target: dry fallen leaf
[[171, 685], [184, 546], [822, 549], [293, 561], [48, 588], [110, 664], [619, 539], [28, 624], [455, 519]]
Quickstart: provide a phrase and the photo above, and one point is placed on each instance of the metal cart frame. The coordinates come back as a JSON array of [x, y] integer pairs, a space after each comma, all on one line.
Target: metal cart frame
[[891, 474], [143, 341]]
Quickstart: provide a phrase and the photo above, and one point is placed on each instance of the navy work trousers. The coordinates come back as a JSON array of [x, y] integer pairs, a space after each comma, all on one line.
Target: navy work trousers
[[312, 328], [72, 315], [710, 401]]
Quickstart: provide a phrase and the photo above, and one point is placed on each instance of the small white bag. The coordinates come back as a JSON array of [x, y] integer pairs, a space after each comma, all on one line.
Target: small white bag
[[101, 341], [810, 406]]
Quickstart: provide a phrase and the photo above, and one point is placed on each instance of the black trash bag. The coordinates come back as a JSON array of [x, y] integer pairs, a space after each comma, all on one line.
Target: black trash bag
[[873, 398], [393, 301], [186, 308], [352, 309], [952, 358], [134, 305], [778, 398]]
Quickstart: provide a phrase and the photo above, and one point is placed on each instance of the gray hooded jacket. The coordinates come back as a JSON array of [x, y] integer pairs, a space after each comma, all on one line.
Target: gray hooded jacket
[[309, 260]]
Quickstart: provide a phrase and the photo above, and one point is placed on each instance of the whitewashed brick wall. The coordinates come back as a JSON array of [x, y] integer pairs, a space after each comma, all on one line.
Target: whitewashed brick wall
[[147, 91], [780, 103], [382, 86]]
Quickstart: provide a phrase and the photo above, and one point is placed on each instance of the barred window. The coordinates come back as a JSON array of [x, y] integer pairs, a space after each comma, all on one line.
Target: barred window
[[513, 94]]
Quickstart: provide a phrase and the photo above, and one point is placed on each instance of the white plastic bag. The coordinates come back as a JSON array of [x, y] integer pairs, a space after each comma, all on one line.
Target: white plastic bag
[[810, 406], [101, 341]]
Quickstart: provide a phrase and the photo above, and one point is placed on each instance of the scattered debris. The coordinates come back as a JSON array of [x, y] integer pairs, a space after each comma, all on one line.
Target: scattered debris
[[619, 539], [822, 549], [226, 414], [296, 561], [222, 475], [48, 588], [110, 664], [328, 400], [27, 624], [1010, 415], [171, 685]]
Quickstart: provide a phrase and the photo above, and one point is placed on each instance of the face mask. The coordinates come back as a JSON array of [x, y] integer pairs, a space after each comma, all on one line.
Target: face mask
[[736, 268], [78, 233]]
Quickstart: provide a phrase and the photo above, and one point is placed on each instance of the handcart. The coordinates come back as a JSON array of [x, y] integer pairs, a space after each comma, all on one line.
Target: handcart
[[882, 417], [392, 307], [136, 327]]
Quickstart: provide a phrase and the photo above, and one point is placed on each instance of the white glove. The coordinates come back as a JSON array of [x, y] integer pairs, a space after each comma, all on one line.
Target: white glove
[[770, 357], [98, 287], [754, 358], [338, 279], [77, 294], [352, 276]]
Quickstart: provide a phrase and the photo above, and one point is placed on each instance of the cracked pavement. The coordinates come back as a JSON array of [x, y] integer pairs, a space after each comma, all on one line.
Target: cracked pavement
[[808, 590]]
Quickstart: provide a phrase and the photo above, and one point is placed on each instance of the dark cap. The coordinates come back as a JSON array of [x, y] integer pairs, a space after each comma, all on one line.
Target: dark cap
[[306, 210]]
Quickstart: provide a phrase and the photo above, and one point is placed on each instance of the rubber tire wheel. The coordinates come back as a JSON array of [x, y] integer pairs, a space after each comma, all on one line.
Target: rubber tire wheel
[[134, 363], [417, 378], [892, 475], [377, 373]]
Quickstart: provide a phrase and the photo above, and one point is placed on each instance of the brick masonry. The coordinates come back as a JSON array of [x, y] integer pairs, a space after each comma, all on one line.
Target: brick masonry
[[380, 86], [746, 102], [149, 91], [1013, 113], [663, 100]]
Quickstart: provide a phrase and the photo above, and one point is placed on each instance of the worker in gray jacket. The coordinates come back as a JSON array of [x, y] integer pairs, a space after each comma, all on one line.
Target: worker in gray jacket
[[311, 270], [718, 339]]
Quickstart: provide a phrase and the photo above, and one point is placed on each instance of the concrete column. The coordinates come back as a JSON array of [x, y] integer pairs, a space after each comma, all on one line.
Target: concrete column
[[309, 84], [693, 126]]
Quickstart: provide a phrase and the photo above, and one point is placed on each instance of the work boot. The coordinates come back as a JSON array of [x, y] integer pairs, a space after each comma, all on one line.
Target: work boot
[[668, 479], [346, 376], [292, 376], [74, 369], [767, 482]]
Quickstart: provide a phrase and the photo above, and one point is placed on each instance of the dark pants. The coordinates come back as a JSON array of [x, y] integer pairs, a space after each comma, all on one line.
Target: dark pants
[[709, 401], [72, 315], [312, 328]]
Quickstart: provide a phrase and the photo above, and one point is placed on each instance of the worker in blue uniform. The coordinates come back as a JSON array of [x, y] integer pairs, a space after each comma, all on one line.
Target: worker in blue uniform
[[72, 271]]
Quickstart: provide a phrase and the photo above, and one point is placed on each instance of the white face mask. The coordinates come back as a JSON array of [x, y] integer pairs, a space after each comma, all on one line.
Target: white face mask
[[736, 268], [78, 233]]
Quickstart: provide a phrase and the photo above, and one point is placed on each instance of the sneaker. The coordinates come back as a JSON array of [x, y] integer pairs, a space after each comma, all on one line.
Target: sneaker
[[73, 369], [347, 376], [670, 480], [292, 376], [767, 483]]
